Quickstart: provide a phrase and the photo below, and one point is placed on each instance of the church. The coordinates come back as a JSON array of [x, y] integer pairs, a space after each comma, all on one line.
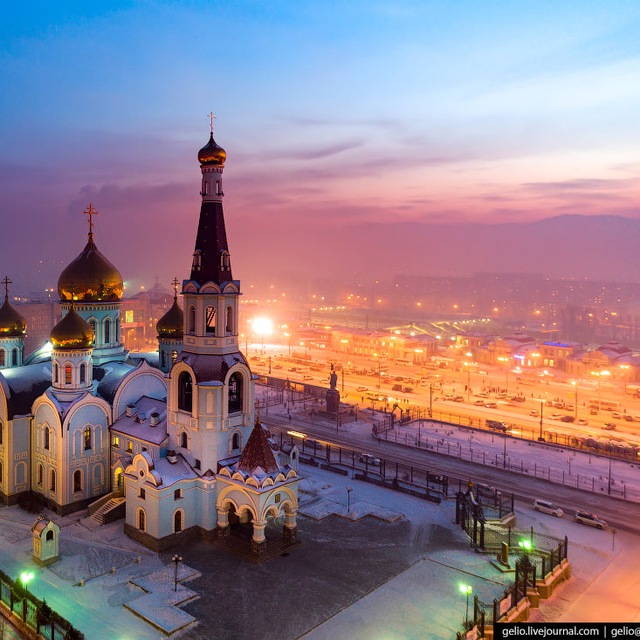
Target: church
[[170, 440]]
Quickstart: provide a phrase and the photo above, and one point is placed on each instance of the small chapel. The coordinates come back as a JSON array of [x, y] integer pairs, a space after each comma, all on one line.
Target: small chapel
[[171, 440]]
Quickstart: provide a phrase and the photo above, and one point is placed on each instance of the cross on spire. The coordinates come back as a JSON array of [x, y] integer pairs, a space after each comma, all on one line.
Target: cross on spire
[[90, 211], [211, 119], [175, 284], [6, 282]]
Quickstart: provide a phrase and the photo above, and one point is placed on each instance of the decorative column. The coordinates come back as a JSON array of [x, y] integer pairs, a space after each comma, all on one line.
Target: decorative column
[[223, 522], [289, 529], [258, 540]]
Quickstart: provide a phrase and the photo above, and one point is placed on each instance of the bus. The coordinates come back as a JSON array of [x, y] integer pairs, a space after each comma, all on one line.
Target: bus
[[607, 405]]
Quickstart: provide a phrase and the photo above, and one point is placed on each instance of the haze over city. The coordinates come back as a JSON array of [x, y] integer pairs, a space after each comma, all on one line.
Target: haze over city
[[364, 139]]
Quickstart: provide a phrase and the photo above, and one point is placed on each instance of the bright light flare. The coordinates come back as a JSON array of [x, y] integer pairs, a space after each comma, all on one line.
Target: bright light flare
[[263, 326]]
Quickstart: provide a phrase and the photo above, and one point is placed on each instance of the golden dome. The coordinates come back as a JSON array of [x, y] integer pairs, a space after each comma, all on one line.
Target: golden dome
[[72, 332], [211, 153], [12, 324], [90, 277], [171, 323]]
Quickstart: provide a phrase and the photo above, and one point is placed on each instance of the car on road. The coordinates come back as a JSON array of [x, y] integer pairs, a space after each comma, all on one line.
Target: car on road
[[362, 388], [367, 458], [567, 419], [609, 426], [628, 418], [615, 414], [544, 506], [479, 403], [582, 421], [555, 416], [590, 519], [491, 405], [534, 412]]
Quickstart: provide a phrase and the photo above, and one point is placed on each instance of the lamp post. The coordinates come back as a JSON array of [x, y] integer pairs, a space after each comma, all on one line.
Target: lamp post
[[176, 560], [466, 589], [349, 490], [575, 399], [430, 400], [25, 578], [541, 437]]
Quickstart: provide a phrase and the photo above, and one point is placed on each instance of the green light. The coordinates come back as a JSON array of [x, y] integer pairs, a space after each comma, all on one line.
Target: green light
[[26, 577], [466, 589], [525, 544]]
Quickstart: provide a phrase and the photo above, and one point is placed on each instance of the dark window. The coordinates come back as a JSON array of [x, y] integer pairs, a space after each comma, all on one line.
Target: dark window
[[196, 464], [14, 358], [77, 480], [143, 494], [235, 393], [1, 357], [83, 373], [1, 432], [177, 522], [174, 356], [47, 438], [185, 392], [229, 326], [49, 535], [40, 474], [141, 520], [184, 443], [177, 494], [55, 370], [191, 326], [235, 442], [107, 331], [163, 359], [52, 478]]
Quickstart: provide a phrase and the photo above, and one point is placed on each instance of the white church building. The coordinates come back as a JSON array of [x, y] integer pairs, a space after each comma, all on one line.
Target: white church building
[[169, 440]]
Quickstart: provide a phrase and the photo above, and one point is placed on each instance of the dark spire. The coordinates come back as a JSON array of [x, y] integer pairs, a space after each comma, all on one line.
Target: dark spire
[[211, 259], [258, 452]]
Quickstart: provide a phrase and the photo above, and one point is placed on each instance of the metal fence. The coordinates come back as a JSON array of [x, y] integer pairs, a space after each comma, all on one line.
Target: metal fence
[[33, 613]]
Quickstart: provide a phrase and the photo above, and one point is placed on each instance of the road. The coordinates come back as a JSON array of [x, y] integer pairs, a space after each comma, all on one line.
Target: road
[[620, 514]]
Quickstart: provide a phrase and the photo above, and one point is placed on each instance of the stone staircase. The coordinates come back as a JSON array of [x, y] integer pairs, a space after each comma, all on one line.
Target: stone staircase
[[107, 512]]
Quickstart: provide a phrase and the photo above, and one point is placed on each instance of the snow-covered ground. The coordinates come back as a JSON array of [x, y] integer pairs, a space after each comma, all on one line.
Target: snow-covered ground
[[421, 601]]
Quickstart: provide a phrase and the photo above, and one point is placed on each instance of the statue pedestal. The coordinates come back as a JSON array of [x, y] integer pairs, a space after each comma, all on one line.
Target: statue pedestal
[[333, 401]]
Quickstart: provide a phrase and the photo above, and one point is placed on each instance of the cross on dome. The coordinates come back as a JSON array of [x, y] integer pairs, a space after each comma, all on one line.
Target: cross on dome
[[175, 284], [211, 119], [6, 282], [90, 211]]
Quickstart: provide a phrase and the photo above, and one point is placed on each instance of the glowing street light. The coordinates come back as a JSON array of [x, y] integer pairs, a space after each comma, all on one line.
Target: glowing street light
[[26, 577], [176, 559], [466, 589]]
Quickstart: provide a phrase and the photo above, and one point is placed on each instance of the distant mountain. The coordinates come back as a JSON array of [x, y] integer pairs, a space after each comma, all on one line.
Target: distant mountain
[[573, 246]]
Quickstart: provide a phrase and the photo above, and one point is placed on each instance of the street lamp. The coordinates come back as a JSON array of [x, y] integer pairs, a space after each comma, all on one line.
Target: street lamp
[[466, 589], [349, 490], [575, 399], [26, 577], [176, 560], [541, 437]]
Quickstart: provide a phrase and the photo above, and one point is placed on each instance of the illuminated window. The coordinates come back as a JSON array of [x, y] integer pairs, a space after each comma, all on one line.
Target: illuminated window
[[210, 319], [67, 374], [87, 438], [116, 441], [1, 357], [174, 356]]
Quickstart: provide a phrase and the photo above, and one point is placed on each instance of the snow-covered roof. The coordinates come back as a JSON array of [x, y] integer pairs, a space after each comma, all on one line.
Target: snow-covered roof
[[24, 385], [211, 367], [139, 425], [109, 376], [172, 472], [152, 358]]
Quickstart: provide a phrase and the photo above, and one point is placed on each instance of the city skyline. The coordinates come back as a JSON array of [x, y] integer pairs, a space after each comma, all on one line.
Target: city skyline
[[344, 127]]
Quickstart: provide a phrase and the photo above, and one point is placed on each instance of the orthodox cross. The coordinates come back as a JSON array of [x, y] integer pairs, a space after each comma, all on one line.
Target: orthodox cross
[[175, 286], [91, 212], [6, 282], [211, 118]]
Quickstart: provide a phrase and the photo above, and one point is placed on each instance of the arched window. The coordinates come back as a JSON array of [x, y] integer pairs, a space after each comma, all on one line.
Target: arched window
[[235, 393], [107, 331], [83, 373], [40, 478], [184, 441], [174, 356], [225, 261], [67, 374], [141, 520], [47, 438], [1, 357], [49, 537], [185, 392], [191, 317], [1, 472], [235, 441], [55, 372], [77, 480], [87, 438], [52, 480], [229, 323], [210, 314], [217, 187], [92, 324], [14, 357], [177, 521]]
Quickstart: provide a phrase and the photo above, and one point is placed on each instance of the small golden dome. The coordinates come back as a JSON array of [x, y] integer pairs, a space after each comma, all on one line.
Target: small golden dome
[[72, 332], [171, 323], [12, 324], [90, 277], [211, 153]]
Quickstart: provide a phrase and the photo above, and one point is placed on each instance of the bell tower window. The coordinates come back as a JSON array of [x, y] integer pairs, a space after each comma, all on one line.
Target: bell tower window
[[83, 373], [107, 331], [14, 358], [67, 374], [1, 357], [210, 318], [225, 261], [229, 323], [185, 392], [235, 393], [191, 319]]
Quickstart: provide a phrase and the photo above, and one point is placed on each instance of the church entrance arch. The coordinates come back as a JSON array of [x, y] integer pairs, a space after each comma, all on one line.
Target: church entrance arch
[[118, 480]]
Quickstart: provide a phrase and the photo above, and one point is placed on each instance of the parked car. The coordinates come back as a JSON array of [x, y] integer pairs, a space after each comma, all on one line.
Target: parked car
[[609, 426], [534, 412], [362, 388], [544, 506], [582, 422], [591, 519], [367, 458], [567, 419], [628, 418], [555, 416], [479, 403]]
